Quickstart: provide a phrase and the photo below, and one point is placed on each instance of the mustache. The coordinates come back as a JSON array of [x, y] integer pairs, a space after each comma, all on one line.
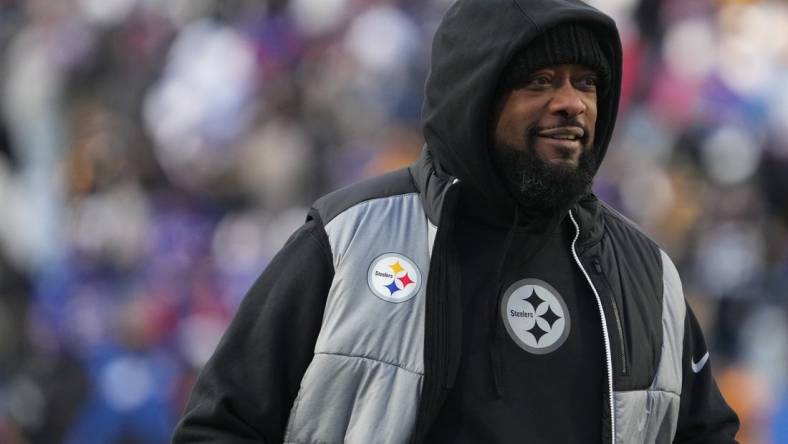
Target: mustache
[[534, 129], [532, 132]]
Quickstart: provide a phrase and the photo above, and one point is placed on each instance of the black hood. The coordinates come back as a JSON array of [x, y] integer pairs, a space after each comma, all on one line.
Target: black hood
[[472, 46]]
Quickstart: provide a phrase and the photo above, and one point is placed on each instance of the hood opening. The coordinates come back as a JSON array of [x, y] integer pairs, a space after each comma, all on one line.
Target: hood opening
[[474, 43]]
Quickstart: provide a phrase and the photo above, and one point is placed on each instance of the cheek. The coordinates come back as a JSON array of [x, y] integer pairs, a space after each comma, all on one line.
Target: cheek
[[512, 124], [507, 129], [503, 128], [519, 109], [591, 117], [591, 111]]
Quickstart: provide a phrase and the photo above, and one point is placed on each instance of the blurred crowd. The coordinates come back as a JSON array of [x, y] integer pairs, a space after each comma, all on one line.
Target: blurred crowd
[[155, 154]]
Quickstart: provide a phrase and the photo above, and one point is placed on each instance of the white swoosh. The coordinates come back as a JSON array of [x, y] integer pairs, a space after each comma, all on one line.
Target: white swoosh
[[698, 366]]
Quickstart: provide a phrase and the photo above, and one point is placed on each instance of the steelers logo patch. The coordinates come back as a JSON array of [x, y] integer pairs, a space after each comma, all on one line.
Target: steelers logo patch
[[535, 316], [394, 278]]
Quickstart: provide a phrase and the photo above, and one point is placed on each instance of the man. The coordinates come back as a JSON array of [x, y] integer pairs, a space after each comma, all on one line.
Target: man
[[483, 294]]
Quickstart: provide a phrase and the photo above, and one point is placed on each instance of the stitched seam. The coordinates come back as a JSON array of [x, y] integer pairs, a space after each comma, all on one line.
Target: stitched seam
[[664, 347], [612, 215], [292, 422], [538, 28], [649, 390], [337, 265], [371, 359], [327, 255], [371, 199]]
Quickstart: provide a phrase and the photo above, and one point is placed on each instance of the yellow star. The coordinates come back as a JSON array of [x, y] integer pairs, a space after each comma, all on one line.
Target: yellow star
[[396, 268]]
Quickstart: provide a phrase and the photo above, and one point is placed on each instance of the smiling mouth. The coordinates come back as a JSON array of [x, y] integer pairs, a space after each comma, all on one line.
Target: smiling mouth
[[570, 133]]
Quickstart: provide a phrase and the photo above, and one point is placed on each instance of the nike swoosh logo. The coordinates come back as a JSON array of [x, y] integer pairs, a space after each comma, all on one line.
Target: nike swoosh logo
[[698, 366]]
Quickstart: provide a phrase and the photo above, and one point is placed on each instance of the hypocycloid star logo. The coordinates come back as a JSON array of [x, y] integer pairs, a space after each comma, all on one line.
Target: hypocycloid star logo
[[394, 277], [535, 316]]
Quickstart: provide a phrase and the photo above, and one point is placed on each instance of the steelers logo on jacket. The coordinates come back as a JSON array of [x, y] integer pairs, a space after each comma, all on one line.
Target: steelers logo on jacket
[[535, 315], [394, 277]]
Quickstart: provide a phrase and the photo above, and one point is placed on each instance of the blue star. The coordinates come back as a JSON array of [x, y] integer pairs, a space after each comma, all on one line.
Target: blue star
[[393, 287]]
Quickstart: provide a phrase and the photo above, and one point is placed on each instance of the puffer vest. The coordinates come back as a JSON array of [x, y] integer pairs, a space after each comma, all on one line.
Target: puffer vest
[[366, 382]]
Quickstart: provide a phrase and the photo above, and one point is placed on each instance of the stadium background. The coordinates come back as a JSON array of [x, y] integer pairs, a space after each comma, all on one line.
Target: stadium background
[[155, 154]]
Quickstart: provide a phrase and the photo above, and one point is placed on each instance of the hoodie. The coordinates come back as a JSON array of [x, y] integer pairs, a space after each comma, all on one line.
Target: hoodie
[[354, 331], [472, 46]]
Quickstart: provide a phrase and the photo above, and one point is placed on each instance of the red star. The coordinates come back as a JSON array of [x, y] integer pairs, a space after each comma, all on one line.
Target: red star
[[405, 280]]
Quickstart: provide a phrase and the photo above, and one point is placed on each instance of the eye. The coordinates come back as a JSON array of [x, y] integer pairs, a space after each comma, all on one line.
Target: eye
[[538, 81], [588, 82]]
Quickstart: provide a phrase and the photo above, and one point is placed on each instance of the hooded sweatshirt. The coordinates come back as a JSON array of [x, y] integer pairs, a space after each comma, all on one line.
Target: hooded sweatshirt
[[471, 48], [354, 333], [501, 387], [545, 382], [552, 394]]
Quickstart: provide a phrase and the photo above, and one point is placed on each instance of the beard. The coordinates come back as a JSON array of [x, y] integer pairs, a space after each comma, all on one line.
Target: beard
[[538, 185]]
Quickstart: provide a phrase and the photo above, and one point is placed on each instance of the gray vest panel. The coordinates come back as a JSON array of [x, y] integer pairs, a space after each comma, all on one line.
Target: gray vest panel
[[364, 383], [645, 416], [651, 415], [354, 400]]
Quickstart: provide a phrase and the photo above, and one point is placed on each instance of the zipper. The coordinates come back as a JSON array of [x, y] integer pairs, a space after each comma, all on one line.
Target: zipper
[[619, 324], [606, 337], [437, 344], [452, 359]]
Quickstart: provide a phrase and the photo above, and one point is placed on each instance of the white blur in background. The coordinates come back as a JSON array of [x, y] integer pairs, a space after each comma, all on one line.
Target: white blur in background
[[155, 155]]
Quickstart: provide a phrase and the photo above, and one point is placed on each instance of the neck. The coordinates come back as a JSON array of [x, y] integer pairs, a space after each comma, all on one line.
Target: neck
[[535, 218]]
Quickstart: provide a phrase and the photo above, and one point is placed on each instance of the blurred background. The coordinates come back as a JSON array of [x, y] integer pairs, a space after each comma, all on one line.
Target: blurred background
[[155, 154]]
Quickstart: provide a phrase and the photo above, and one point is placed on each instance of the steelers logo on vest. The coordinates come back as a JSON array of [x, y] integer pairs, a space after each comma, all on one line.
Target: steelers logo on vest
[[535, 315], [394, 278]]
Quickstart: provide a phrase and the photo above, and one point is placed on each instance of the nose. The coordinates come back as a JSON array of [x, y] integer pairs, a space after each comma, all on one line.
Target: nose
[[566, 100]]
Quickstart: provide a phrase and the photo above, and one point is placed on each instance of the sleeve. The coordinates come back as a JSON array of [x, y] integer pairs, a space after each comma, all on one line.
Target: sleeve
[[704, 416], [245, 391]]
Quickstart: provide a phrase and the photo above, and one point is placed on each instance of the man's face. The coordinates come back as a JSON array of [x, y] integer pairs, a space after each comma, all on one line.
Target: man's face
[[553, 113], [544, 136]]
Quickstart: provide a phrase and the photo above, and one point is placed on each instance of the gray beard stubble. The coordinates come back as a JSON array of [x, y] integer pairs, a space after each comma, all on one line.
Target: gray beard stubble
[[538, 185]]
